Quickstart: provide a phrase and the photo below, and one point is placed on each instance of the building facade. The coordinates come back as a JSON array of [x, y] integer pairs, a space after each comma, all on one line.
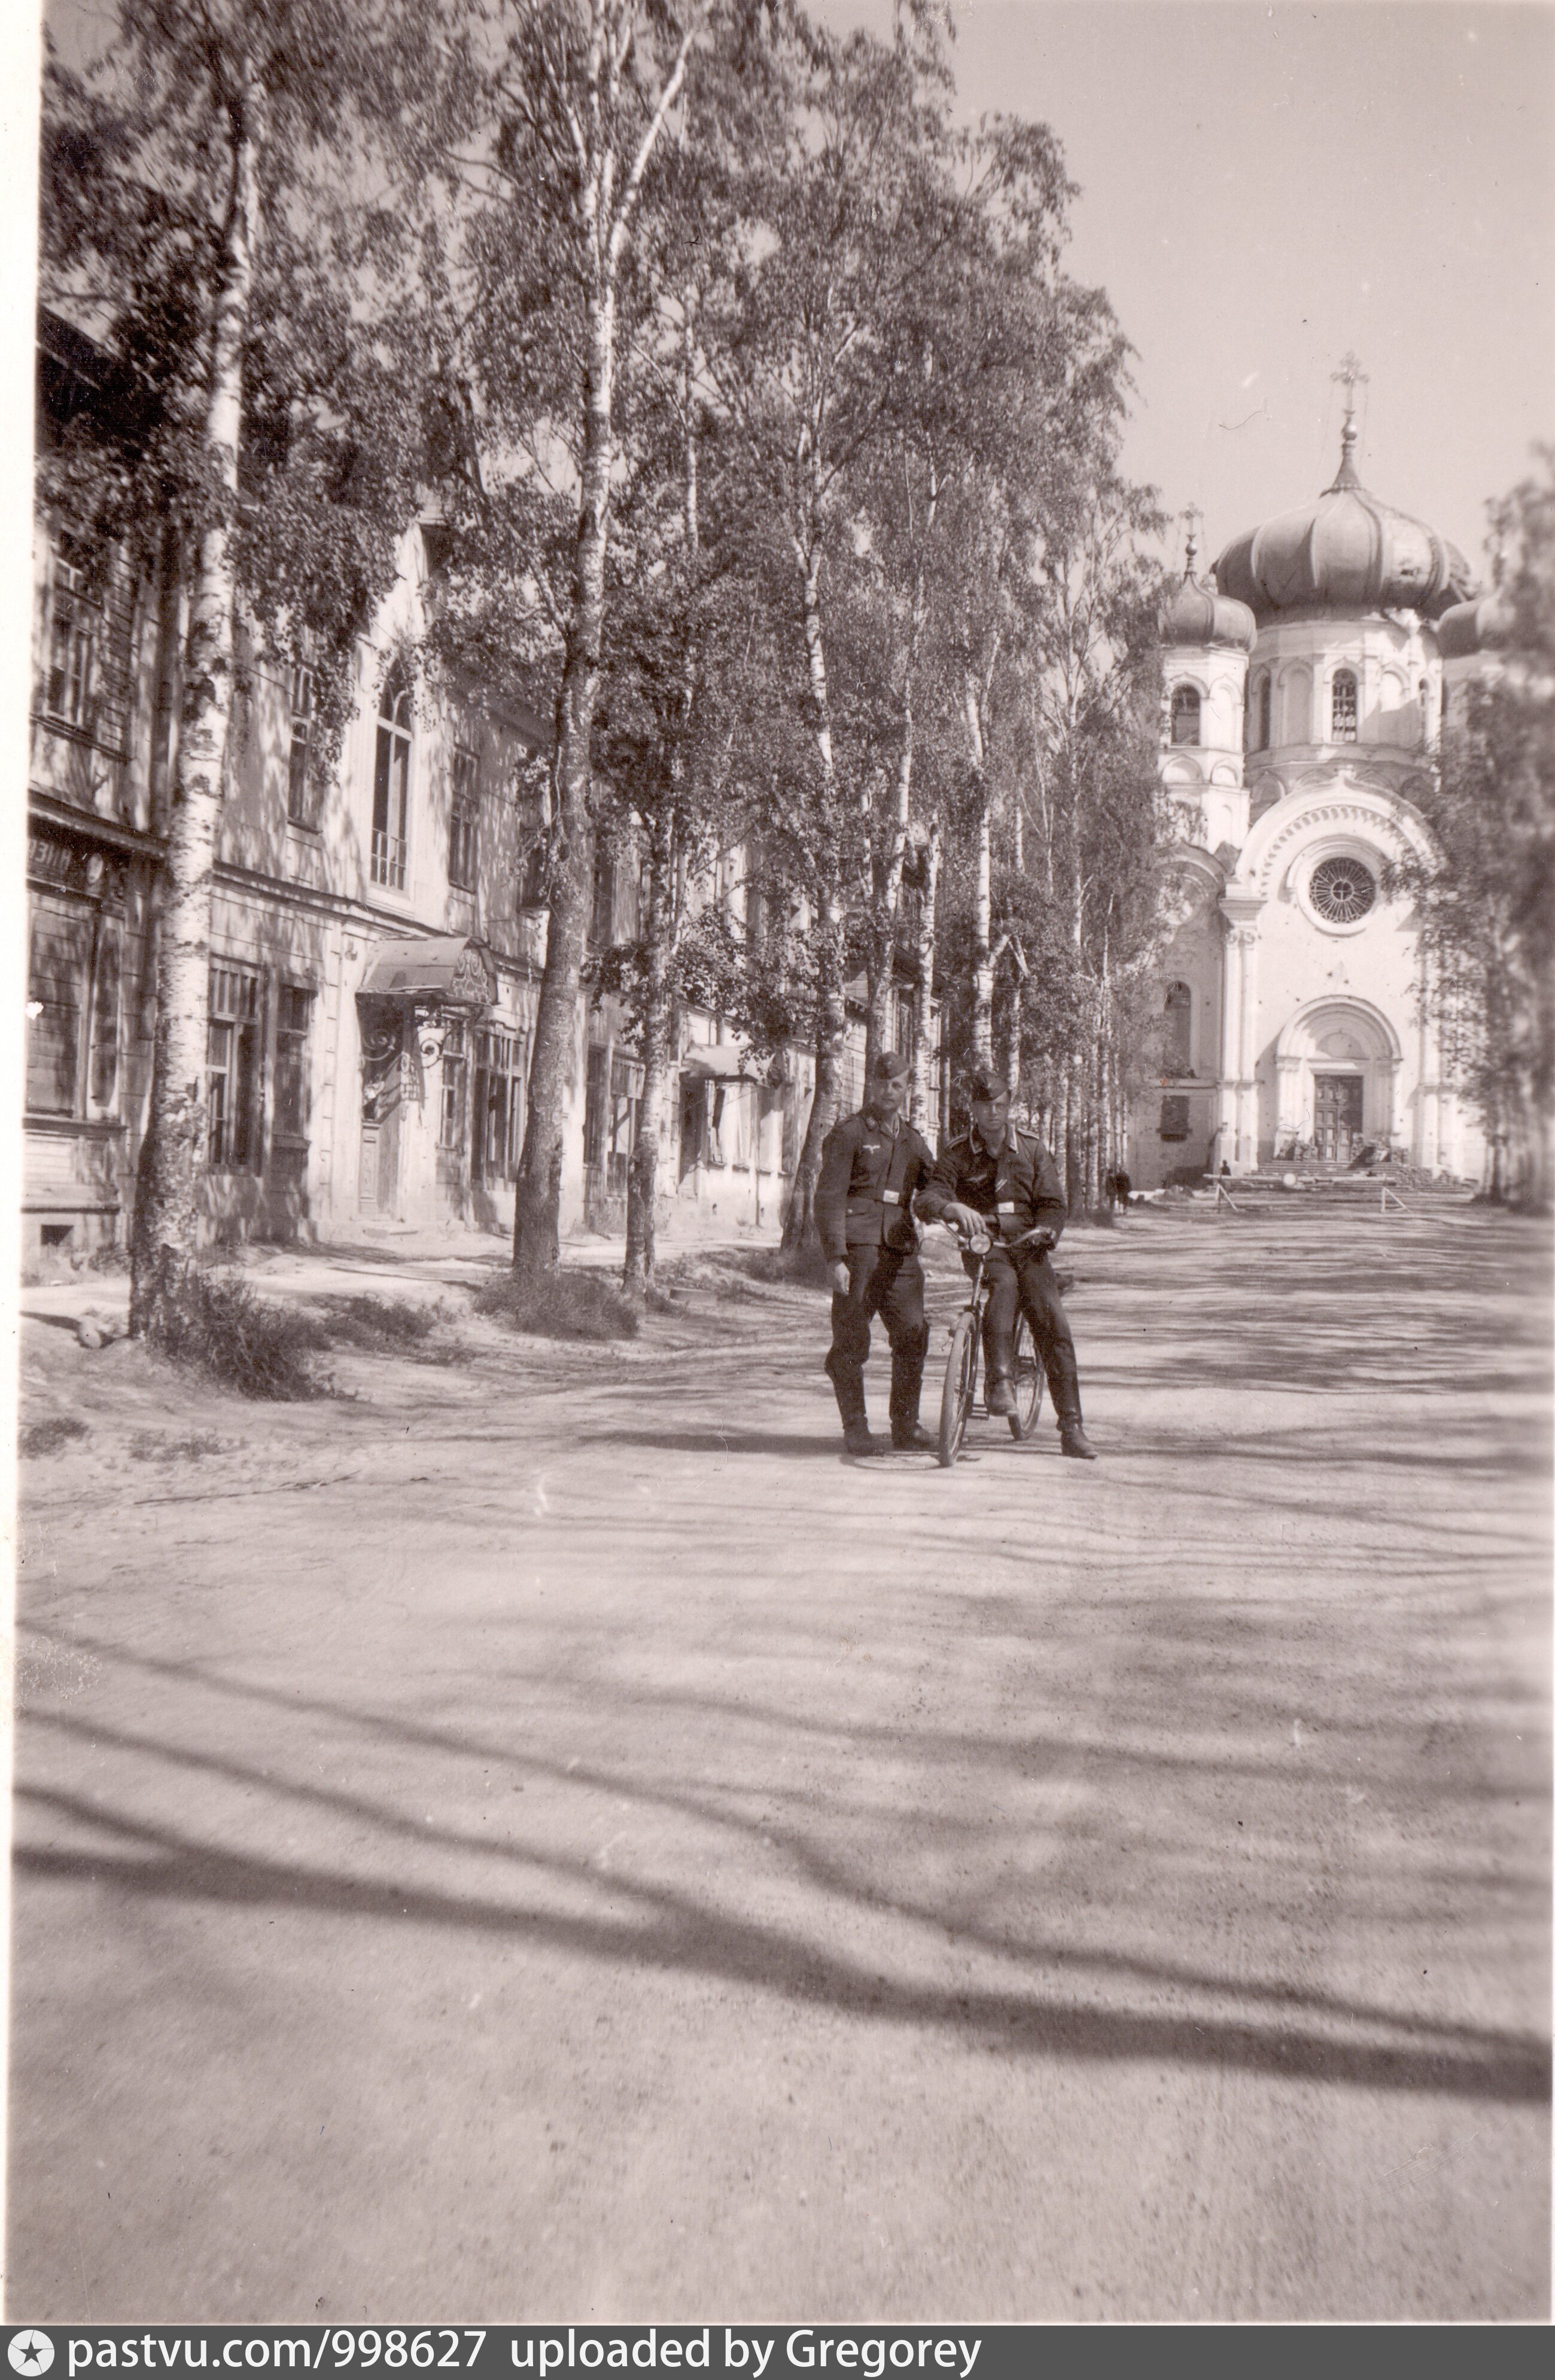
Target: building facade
[[1302, 697], [377, 942]]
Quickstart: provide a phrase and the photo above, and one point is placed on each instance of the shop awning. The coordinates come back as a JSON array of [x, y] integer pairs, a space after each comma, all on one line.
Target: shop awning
[[443, 970], [720, 1061]]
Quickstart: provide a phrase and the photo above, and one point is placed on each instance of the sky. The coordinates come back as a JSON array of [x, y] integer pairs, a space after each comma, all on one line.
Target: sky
[[1266, 187]]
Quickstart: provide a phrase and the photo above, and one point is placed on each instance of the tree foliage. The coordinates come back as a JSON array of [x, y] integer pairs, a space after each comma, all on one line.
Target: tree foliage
[[1485, 891]]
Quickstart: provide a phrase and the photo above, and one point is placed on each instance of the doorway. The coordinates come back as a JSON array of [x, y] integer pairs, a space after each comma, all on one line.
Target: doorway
[[1337, 1101]]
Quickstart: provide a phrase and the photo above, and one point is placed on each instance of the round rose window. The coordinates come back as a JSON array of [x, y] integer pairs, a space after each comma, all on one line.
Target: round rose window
[[1342, 890]]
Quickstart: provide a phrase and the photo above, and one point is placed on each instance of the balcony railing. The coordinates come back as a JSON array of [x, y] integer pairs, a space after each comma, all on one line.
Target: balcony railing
[[388, 859]]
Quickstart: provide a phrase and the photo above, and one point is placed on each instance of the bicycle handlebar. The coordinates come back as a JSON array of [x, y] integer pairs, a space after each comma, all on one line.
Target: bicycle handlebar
[[988, 1240]]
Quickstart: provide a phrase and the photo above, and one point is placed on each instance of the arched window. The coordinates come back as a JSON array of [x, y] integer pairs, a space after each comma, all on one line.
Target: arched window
[[1177, 1035], [1258, 712], [1184, 714], [1343, 712], [390, 783], [1424, 711]]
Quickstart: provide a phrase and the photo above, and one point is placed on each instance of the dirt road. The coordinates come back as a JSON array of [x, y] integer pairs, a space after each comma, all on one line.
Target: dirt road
[[555, 1841]]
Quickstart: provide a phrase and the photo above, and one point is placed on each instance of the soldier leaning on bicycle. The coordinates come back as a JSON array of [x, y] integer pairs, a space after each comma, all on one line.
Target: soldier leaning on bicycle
[[995, 1181]]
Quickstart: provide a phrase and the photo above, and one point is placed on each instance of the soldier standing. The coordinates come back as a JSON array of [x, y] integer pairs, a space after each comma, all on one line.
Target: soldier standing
[[1001, 1181], [871, 1165]]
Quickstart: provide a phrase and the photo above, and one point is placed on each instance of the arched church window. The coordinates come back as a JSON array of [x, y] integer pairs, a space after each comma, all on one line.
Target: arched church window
[[1265, 694], [1177, 1035], [1342, 890], [1184, 714], [391, 783], [1344, 707]]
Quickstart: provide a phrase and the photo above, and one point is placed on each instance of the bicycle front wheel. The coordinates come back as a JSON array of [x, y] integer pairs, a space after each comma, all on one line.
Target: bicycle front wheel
[[1027, 1382], [961, 1380]]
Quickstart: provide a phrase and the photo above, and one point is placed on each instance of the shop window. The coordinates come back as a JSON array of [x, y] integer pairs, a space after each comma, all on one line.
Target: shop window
[[464, 822], [56, 1001], [1184, 714], [455, 1078], [391, 784], [1177, 1037], [293, 1019], [72, 1009], [233, 1050], [103, 1056], [532, 861], [497, 1126], [626, 1104], [1343, 712], [1174, 1118], [300, 810], [595, 1095], [602, 923]]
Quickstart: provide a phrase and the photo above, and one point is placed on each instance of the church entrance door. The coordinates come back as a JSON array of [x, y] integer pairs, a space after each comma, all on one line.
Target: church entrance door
[[1336, 1100]]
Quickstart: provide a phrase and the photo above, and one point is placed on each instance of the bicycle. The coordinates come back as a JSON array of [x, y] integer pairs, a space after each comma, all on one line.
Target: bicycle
[[958, 1402]]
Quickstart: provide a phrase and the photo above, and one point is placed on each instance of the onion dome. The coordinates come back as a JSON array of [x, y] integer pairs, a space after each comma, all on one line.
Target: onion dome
[[1475, 627], [1198, 616], [1347, 552]]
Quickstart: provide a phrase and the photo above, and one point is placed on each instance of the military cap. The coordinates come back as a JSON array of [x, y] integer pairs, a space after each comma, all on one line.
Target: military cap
[[889, 1067], [982, 1083]]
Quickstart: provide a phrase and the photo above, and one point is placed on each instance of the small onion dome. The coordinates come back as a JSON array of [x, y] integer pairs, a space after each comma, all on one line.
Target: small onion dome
[[1196, 615], [1475, 627], [1346, 553]]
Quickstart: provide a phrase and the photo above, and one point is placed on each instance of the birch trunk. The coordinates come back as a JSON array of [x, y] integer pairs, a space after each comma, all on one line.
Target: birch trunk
[[538, 1203], [921, 1109], [830, 1031], [642, 1183], [166, 1204]]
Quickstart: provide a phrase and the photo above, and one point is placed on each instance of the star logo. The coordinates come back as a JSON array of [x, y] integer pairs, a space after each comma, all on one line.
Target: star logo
[[30, 2351]]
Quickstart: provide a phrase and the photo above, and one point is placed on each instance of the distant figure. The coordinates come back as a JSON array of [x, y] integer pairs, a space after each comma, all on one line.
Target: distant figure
[[1117, 1189], [1225, 1167], [872, 1166]]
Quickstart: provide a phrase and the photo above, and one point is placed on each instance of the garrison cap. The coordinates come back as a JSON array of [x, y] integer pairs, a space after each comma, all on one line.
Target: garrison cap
[[889, 1067], [982, 1083]]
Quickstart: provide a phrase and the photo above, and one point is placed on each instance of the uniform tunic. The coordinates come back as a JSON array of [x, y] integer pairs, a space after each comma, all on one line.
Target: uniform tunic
[[1017, 1189], [869, 1175]]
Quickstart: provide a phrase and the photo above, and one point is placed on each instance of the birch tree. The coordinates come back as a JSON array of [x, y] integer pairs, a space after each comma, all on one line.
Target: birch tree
[[201, 184], [585, 101]]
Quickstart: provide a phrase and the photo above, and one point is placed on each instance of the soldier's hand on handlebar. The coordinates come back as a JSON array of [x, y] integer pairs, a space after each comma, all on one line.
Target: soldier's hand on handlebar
[[965, 1220]]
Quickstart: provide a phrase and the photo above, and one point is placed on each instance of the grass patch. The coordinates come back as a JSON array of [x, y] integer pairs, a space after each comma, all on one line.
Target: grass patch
[[219, 1326], [578, 1305], [48, 1437], [803, 1267], [381, 1324], [150, 1446]]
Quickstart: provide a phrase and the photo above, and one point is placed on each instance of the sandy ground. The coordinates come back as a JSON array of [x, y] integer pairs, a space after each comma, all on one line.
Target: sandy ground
[[549, 1839]]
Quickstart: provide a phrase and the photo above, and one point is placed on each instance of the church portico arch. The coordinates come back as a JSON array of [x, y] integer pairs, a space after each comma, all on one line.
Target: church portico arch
[[1337, 1063]]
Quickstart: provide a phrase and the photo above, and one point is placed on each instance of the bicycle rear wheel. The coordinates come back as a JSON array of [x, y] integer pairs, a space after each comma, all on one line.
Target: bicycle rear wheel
[[961, 1380], [1027, 1382]]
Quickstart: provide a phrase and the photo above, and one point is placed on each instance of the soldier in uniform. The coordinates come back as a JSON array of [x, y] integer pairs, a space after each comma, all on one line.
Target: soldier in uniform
[[998, 1180], [871, 1165]]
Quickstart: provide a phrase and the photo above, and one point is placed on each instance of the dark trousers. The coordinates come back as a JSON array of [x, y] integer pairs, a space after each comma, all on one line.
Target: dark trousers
[[1026, 1282], [887, 1282]]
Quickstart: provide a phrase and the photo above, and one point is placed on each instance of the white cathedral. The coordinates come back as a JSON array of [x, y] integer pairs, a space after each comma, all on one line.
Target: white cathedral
[[1304, 690]]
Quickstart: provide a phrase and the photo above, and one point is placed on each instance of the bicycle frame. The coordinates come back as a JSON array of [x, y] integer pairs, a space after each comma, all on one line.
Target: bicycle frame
[[958, 1404]]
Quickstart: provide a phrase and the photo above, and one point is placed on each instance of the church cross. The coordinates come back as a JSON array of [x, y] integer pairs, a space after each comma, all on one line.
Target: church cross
[[1191, 518], [1350, 372]]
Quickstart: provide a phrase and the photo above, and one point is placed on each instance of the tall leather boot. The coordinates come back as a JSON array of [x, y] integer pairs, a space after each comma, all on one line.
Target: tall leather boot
[[1063, 1381], [907, 1432], [998, 1389], [856, 1435]]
